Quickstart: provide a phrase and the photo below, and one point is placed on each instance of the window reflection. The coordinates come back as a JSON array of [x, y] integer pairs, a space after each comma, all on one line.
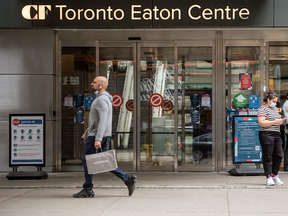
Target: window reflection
[[194, 106], [242, 76]]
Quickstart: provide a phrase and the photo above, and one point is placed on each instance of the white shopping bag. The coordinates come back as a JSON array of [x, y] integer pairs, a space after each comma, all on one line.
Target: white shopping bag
[[101, 162]]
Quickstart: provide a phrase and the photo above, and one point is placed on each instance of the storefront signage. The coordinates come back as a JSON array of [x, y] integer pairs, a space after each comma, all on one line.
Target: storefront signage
[[245, 81], [129, 105], [195, 100], [117, 100], [240, 100], [88, 101], [206, 100], [79, 117], [253, 101], [156, 100], [137, 13], [195, 117], [27, 140], [167, 105], [140, 13], [247, 148]]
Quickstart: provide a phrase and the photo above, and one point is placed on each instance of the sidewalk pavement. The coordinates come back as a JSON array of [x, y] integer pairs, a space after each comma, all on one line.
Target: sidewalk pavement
[[157, 193]]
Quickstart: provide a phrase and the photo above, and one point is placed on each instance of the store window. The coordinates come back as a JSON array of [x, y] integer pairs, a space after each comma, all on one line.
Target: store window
[[194, 106], [78, 71], [116, 64], [242, 88]]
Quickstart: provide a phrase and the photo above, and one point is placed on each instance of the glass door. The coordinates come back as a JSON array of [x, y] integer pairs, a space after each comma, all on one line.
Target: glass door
[[156, 107], [244, 86], [117, 63], [78, 69], [195, 71]]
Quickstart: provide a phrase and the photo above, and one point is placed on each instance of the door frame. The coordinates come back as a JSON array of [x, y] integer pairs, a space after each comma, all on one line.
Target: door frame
[[242, 43], [201, 43], [175, 45], [136, 79]]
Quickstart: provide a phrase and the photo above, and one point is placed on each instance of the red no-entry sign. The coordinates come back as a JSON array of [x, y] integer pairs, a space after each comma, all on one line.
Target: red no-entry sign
[[156, 100], [129, 105], [117, 100], [167, 105]]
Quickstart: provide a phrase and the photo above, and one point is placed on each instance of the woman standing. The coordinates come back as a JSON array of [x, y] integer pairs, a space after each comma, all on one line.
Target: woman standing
[[270, 139]]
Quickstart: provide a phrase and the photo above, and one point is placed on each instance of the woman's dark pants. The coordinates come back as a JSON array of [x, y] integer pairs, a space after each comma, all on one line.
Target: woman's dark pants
[[271, 144]]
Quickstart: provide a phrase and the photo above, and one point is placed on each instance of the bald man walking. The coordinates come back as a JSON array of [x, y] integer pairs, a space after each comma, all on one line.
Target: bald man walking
[[98, 135]]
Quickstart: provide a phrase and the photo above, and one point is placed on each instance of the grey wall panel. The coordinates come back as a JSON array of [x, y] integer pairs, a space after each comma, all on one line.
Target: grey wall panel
[[4, 148], [4, 145], [280, 13], [26, 94], [26, 52]]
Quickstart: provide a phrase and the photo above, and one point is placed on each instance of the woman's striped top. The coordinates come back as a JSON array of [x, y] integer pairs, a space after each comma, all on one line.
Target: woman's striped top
[[271, 114]]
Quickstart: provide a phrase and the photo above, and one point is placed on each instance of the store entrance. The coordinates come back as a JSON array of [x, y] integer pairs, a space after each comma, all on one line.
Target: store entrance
[[162, 103]]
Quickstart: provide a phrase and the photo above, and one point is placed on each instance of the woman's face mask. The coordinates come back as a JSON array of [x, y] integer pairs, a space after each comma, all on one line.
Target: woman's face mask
[[272, 104]]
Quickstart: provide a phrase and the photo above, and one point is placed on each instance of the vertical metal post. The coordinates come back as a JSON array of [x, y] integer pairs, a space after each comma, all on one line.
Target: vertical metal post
[[220, 102], [183, 123], [175, 106], [58, 106], [266, 69], [97, 51], [214, 105], [261, 71], [137, 108], [229, 55]]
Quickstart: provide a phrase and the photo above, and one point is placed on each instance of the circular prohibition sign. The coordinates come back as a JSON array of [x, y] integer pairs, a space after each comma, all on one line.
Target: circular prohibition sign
[[129, 105], [117, 100], [156, 100], [167, 105]]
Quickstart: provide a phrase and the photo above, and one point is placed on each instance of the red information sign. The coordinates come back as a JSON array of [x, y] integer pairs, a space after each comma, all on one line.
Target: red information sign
[[156, 100], [245, 81], [117, 100], [167, 105], [129, 105]]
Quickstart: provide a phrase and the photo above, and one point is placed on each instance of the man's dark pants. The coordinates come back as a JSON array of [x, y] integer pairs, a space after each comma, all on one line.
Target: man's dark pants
[[90, 149], [271, 144]]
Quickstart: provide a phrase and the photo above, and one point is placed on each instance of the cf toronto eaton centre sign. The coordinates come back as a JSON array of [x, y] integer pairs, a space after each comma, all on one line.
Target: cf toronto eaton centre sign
[[137, 12]]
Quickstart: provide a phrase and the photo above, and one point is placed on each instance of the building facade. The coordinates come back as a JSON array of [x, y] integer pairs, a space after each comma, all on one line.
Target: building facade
[[175, 70]]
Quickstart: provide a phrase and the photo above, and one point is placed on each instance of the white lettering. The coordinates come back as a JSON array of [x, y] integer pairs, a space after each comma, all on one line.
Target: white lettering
[[133, 12], [79, 13], [207, 12], [109, 10], [122, 14], [222, 13], [168, 14], [92, 13], [244, 12], [104, 13], [179, 13], [155, 13], [190, 12], [67, 14], [61, 11], [147, 12]]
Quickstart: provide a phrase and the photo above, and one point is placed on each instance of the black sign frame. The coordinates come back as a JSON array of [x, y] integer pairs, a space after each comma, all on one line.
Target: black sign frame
[[43, 134]]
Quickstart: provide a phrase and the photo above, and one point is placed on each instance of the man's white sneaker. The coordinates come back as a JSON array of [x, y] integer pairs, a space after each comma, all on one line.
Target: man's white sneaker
[[269, 181], [277, 180]]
